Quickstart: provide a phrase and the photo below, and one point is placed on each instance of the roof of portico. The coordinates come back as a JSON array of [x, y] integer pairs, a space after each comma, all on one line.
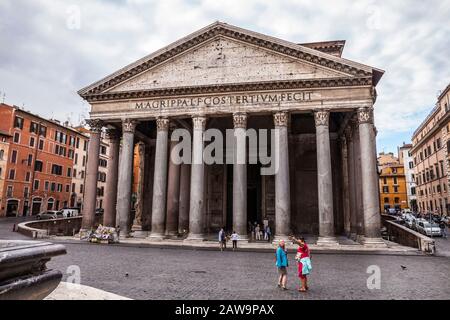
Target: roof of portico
[[358, 74]]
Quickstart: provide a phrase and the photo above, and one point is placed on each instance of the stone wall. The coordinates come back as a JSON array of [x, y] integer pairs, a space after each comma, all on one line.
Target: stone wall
[[408, 237], [54, 227]]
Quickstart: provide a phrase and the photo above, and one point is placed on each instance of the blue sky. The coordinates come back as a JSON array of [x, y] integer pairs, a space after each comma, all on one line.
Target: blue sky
[[49, 49]]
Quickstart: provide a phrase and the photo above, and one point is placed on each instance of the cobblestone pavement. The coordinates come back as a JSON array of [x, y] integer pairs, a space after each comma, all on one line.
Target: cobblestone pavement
[[150, 273]]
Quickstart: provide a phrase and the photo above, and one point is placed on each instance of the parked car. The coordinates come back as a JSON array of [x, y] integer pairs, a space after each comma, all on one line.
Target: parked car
[[410, 221], [431, 230], [70, 212], [47, 215], [392, 211]]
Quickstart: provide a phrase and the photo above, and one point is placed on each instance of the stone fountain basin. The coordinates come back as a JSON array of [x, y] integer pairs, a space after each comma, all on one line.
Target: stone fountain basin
[[23, 271]]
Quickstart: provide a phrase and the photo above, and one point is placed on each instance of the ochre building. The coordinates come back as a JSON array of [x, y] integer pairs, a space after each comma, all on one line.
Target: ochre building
[[227, 78], [430, 153]]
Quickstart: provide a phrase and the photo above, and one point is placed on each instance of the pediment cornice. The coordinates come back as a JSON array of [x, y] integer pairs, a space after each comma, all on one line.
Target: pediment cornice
[[217, 29], [240, 87]]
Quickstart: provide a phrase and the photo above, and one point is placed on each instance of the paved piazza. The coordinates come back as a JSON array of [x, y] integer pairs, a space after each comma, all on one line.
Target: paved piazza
[[188, 274]]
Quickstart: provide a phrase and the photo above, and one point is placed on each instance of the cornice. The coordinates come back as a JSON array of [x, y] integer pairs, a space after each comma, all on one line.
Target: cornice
[[246, 36], [228, 88]]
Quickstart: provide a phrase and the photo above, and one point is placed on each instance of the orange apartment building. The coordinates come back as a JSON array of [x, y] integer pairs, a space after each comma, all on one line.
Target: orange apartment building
[[430, 153], [393, 192], [39, 163]]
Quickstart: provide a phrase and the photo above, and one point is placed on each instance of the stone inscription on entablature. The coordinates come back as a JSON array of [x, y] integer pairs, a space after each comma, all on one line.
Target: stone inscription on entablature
[[252, 102]]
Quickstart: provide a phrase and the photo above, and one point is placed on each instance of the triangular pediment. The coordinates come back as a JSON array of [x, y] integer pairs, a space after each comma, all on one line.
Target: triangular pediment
[[223, 61], [223, 54]]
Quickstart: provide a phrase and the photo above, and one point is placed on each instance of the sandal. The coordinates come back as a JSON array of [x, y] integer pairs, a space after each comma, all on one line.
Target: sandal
[[284, 288], [302, 290]]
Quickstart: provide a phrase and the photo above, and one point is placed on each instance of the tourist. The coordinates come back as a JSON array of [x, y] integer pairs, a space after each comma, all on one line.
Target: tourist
[[304, 262], [257, 232], [268, 234], [443, 229], [282, 264], [222, 240], [234, 238]]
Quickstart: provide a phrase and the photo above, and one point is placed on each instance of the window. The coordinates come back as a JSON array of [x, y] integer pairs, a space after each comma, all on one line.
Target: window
[[81, 188], [438, 143], [28, 176], [71, 154], [60, 187], [72, 141], [32, 142], [384, 180], [78, 142], [411, 165], [85, 146], [395, 189], [73, 187], [67, 188], [397, 200], [53, 187], [2, 154], [46, 185], [36, 185], [74, 172], [103, 163], [34, 127], [26, 192], [30, 160], [76, 158], [395, 180], [84, 161], [385, 189], [413, 191], [38, 165], [41, 144], [18, 122], [103, 150], [12, 174], [57, 170], [386, 200], [9, 191], [69, 172], [14, 156], [43, 131], [16, 138], [394, 170]]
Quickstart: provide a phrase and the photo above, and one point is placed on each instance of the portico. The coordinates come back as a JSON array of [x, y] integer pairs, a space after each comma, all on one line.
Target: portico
[[315, 107]]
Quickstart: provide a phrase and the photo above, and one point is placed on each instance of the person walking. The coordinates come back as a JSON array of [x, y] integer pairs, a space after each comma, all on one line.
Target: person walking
[[443, 229], [268, 234], [234, 238], [282, 264], [222, 240], [257, 232], [304, 263]]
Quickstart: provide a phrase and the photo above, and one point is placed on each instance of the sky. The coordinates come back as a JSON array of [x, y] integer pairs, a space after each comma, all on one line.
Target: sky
[[49, 49]]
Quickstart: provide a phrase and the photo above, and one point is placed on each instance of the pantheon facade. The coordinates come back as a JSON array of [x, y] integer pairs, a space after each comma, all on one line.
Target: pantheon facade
[[227, 78]]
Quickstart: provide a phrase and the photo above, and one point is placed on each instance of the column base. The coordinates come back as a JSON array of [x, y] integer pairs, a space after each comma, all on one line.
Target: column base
[[140, 234], [156, 236], [373, 242], [327, 241], [278, 238], [195, 237]]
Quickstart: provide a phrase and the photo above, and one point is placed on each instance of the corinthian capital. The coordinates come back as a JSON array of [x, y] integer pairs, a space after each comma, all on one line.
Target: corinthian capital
[[322, 117], [240, 120], [162, 124], [96, 125], [199, 122], [129, 125], [365, 115], [281, 119]]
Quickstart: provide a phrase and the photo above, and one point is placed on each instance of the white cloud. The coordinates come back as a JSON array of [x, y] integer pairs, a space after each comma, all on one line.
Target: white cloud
[[39, 53]]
